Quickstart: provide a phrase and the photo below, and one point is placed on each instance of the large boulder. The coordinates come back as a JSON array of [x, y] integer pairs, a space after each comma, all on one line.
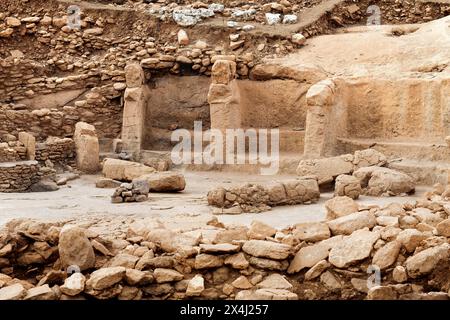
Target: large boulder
[[75, 249], [124, 170], [387, 255], [340, 206], [378, 181], [105, 277], [353, 248], [346, 225], [74, 284], [87, 147], [311, 231], [326, 169], [426, 261], [347, 185], [13, 292], [166, 181], [307, 257], [368, 158]]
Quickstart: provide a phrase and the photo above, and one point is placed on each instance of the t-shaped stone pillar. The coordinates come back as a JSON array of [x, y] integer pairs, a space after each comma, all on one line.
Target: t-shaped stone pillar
[[319, 99], [134, 110], [223, 96]]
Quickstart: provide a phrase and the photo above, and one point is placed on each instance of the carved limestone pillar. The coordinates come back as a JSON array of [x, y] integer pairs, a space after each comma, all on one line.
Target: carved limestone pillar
[[134, 110], [319, 100], [223, 96]]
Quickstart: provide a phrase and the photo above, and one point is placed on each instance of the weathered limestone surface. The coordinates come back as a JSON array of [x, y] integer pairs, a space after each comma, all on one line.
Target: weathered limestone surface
[[124, 170], [75, 248], [255, 197], [29, 141], [134, 110], [166, 181], [223, 96], [319, 99], [87, 147], [378, 181]]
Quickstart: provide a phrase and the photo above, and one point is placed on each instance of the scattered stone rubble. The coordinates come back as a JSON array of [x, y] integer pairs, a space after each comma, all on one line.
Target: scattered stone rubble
[[137, 191], [331, 259], [361, 173]]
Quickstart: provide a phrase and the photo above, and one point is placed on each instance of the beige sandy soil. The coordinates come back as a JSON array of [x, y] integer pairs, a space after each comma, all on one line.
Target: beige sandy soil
[[81, 201], [413, 51]]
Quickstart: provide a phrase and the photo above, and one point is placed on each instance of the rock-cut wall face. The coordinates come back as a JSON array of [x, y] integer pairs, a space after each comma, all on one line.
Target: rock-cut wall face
[[175, 102], [415, 109], [273, 103]]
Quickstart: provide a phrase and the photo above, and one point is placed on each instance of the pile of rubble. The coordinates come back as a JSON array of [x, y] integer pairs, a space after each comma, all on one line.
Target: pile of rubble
[[131, 192], [407, 245], [350, 175]]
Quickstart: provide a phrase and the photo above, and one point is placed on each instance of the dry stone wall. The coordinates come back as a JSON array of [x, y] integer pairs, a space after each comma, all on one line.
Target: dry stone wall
[[14, 151], [18, 176], [58, 151], [408, 245]]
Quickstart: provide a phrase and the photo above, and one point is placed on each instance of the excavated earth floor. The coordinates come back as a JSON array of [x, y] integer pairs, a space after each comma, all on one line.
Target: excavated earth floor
[[81, 200]]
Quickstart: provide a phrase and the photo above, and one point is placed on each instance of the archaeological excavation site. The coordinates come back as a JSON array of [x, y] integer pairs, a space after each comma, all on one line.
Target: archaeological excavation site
[[224, 150]]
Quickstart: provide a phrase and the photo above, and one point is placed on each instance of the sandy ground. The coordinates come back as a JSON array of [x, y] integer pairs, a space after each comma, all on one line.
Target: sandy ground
[[374, 51], [80, 200]]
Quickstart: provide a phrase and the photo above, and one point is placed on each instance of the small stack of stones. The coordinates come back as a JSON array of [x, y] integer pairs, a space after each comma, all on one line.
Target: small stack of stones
[[131, 192]]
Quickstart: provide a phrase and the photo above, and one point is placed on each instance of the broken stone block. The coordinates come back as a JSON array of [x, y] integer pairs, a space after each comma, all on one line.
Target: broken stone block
[[257, 198], [353, 248], [74, 284], [13, 292], [75, 249], [368, 158], [105, 278], [399, 274], [346, 225], [237, 261], [275, 281], [308, 256], [221, 248], [260, 231], [207, 261], [163, 275], [242, 283], [311, 231], [183, 38], [387, 255], [427, 260], [382, 293], [377, 181], [443, 228], [40, 293], [87, 147], [165, 181], [266, 249], [195, 286], [340, 206], [124, 170], [326, 169], [107, 183], [317, 270], [411, 238], [346, 185]]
